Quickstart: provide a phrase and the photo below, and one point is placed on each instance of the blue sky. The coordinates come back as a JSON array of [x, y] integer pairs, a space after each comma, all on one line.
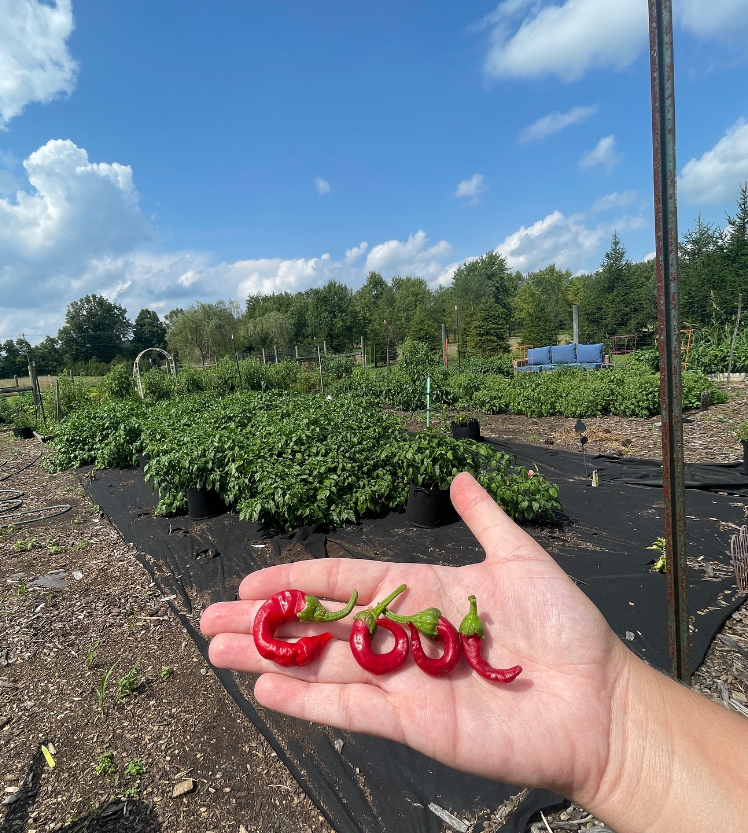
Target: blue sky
[[165, 152]]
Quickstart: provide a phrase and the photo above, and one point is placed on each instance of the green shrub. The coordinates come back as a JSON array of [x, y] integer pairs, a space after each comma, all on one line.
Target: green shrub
[[118, 382], [157, 385], [494, 396], [743, 431], [335, 368], [500, 365]]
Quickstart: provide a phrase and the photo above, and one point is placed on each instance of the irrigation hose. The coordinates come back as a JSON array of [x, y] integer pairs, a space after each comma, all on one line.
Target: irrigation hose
[[10, 502]]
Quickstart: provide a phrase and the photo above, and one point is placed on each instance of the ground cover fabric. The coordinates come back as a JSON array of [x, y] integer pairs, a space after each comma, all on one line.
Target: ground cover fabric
[[369, 785]]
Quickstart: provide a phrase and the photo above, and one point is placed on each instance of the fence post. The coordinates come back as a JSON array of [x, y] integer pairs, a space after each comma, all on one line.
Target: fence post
[[363, 354], [575, 322], [734, 337], [57, 399], [319, 361], [263, 355], [324, 346], [444, 344], [275, 347]]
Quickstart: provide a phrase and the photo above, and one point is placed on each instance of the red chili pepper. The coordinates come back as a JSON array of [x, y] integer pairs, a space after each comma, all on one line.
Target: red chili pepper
[[471, 631], [287, 606], [365, 626], [447, 662], [431, 623]]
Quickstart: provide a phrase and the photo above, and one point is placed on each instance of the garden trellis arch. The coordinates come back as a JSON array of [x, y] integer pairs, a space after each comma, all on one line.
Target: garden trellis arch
[[171, 365]]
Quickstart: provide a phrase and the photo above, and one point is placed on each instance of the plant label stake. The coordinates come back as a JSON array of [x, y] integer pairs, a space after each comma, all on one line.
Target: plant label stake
[[581, 429], [428, 401], [739, 558]]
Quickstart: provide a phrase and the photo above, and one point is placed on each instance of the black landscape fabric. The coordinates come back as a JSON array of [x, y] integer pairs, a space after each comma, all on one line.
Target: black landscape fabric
[[368, 785]]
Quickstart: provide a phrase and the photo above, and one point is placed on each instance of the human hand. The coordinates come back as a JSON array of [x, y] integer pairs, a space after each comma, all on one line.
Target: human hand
[[550, 727]]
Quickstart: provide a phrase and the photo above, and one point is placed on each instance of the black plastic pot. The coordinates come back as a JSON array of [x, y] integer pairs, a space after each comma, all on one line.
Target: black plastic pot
[[23, 433], [745, 456], [429, 508], [203, 504], [467, 430]]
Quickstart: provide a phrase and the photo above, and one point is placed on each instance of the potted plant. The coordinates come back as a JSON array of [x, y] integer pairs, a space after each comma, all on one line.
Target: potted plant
[[465, 427], [432, 465], [24, 418], [743, 437]]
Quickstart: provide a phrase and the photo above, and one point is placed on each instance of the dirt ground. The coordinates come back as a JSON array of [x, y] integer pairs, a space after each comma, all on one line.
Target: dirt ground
[[95, 666]]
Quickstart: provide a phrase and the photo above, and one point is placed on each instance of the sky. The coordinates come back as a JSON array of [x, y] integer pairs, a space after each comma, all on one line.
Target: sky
[[163, 153]]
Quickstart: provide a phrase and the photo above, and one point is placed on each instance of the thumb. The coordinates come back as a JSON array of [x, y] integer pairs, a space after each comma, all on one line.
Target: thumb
[[496, 532]]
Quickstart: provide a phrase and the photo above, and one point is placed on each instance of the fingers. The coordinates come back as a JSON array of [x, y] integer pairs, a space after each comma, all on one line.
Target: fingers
[[335, 665], [331, 578], [358, 707], [496, 532], [239, 617]]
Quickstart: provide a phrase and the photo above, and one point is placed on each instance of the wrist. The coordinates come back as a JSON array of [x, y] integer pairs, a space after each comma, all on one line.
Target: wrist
[[668, 762]]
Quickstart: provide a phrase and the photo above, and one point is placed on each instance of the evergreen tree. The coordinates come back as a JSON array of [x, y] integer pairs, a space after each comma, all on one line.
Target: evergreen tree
[[487, 330]]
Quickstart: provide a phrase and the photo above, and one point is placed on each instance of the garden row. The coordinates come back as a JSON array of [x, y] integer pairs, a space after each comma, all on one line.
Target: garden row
[[289, 460]]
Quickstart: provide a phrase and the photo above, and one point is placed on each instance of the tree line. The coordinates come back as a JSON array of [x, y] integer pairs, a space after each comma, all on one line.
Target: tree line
[[486, 304]]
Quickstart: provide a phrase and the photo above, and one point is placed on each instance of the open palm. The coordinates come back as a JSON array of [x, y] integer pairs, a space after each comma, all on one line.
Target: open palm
[[550, 727]]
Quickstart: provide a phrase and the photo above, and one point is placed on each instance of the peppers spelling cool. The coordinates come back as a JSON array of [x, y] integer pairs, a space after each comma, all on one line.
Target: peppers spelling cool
[[431, 623], [365, 626], [471, 632], [289, 606]]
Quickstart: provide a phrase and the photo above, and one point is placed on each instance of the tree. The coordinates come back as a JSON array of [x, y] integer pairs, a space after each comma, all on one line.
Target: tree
[[408, 295], [273, 328], [486, 276], [487, 330], [331, 316], [542, 305], [14, 358], [203, 332], [95, 328], [47, 356], [423, 329], [148, 331]]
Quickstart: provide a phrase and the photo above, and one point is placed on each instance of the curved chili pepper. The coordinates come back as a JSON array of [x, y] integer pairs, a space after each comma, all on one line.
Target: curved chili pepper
[[365, 626], [288, 606], [447, 662], [471, 632]]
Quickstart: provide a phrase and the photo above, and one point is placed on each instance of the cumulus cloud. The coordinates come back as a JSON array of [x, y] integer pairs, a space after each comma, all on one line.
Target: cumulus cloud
[[617, 199], [603, 154], [322, 185], [35, 64], [566, 241], [716, 176], [725, 20], [555, 122], [355, 252], [534, 38], [471, 188], [76, 228]]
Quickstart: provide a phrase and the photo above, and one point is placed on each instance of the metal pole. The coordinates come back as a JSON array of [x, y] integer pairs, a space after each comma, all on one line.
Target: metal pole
[[668, 320], [575, 322]]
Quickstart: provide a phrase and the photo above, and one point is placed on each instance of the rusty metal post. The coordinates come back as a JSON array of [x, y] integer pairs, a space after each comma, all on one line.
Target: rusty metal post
[[668, 319]]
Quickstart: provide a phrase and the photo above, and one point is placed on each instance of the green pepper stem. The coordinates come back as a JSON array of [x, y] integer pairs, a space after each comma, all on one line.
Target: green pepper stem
[[315, 612], [426, 621], [383, 604], [471, 625]]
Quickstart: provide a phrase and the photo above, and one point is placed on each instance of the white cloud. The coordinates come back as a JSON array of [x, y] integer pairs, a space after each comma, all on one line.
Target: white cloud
[[615, 200], [355, 252], [650, 256], [409, 257], [566, 241], [604, 153], [471, 188], [534, 38], [35, 64], [322, 185], [725, 20], [555, 122], [717, 175]]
